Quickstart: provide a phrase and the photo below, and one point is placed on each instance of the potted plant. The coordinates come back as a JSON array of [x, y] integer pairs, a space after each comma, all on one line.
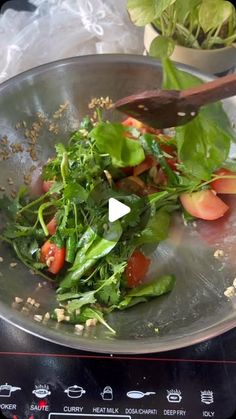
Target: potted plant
[[200, 33]]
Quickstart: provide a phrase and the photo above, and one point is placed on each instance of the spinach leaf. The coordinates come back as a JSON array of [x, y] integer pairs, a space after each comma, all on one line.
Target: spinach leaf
[[157, 228], [99, 248], [147, 291], [203, 144], [154, 288], [111, 139]]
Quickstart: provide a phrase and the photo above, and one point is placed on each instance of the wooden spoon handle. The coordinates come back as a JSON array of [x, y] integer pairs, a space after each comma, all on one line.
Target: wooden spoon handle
[[212, 91]]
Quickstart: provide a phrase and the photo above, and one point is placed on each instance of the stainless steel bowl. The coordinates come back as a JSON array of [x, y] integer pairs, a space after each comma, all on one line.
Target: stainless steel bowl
[[197, 308]]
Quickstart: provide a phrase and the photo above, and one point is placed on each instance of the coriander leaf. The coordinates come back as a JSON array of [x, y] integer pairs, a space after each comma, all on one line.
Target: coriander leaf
[[111, 139], [92, 313], [109, 294], [86, 298], [11, 206], [75, 192]]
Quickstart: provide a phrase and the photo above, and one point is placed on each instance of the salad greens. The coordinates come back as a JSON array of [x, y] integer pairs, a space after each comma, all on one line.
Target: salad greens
[[64, 235]]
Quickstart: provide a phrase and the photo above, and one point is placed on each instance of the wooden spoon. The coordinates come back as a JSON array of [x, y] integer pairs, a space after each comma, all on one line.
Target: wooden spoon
[[169, 108]]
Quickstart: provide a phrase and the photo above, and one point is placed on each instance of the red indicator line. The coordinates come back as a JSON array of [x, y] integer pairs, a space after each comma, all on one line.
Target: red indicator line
[[118, 357]]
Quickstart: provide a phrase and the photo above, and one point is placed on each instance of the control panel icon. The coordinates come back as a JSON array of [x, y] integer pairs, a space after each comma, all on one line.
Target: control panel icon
[[174, 396], [41, 391], [107, 393], [75, 392], [207, 397], [7, 389], [136, 394]]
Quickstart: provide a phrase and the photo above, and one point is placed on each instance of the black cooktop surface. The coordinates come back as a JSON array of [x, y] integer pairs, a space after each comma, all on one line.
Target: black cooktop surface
[[39, 379]]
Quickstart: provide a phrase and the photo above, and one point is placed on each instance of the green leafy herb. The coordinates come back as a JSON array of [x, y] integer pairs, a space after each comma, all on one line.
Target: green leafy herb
[[203, 143], [111, 139]]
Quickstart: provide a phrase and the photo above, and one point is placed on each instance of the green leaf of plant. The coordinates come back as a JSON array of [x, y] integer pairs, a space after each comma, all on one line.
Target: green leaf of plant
[[203, 144], [154, 288], [147, 291], [185, 8], [99, 248], [111, 139], [145, 11], [128, 302], [156, 230], [86, 298], [213, 13], [162, 47], [92, 313], [75, 192]]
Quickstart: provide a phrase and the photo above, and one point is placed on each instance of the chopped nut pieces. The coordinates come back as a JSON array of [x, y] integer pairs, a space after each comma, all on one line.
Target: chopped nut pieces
[[18, 300], [38, 317], [229, 292], [13, 264], [79, 327], [60, 314], [46, 316], [91, 322], [219, 254]]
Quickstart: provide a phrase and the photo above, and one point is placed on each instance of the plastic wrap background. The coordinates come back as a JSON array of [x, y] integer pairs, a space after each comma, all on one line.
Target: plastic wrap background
[[64, 28]]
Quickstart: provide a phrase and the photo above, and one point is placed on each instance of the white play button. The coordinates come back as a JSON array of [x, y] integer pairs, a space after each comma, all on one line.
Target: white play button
[[116, 210]]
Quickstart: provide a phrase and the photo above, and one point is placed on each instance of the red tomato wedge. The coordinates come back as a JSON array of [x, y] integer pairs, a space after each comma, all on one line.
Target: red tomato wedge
[[53, 256], [204, 204], [47, 184], [136, 268], [132, 122], [52, 226], [224, 186], [146, 164]]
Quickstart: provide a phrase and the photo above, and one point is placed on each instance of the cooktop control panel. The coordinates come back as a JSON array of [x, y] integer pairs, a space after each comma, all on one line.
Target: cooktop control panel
[[58, 386], [41, 380]]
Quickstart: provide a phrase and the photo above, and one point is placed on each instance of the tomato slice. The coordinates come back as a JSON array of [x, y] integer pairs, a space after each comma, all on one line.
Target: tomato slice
[[47, 184], [53, 256], [146, 164], [204, 204], [136, 268], [52, 226], [132, 122], [224, 186]]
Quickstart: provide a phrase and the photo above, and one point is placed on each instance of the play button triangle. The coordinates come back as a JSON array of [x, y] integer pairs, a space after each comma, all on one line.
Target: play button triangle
[[116, 210]]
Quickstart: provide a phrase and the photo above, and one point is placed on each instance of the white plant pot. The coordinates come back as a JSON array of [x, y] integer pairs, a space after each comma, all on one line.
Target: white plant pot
[[216, 61]]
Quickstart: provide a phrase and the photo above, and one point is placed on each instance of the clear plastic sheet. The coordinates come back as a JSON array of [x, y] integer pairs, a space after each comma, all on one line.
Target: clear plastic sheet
[[64, 28]]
